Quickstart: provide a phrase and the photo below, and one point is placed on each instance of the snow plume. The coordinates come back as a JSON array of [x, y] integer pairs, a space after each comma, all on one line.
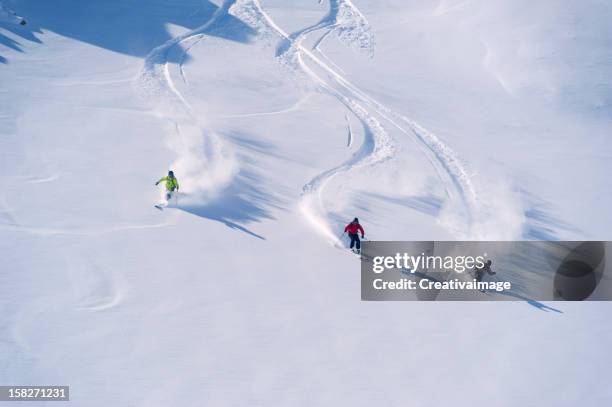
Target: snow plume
[[502, 210], [203, 164], [498, 214]]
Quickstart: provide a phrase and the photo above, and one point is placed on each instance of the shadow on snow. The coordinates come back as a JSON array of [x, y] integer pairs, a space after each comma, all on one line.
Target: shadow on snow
[[240, 203], [130, 27], [542, 224], [246, 199]]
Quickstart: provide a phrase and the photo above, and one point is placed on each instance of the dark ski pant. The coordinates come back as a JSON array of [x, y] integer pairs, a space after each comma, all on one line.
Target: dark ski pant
[[355, 240], [169, 194]]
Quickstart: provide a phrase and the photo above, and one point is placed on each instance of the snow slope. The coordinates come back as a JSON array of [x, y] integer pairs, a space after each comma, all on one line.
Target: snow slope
[[283, 121]]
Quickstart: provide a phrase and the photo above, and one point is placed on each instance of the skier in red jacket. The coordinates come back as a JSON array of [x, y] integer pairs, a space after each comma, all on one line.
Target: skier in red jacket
[[353, 230]]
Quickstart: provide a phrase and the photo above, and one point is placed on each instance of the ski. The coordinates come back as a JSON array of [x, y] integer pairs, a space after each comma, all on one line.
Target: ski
[[361, 255]]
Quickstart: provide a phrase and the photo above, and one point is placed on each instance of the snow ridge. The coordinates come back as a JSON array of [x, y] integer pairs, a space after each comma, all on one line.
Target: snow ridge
[[352, 27]]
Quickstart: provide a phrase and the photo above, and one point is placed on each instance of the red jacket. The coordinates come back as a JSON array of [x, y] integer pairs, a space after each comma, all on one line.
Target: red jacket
[[353, 228]]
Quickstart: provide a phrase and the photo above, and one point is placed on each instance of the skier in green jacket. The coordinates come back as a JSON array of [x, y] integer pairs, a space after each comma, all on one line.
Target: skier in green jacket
[[171, 184]]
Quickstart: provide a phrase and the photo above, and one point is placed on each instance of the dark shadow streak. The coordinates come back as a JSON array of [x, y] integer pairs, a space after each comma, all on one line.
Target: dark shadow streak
[[202, 212], [541, 224], [231, 207], [534, 303]]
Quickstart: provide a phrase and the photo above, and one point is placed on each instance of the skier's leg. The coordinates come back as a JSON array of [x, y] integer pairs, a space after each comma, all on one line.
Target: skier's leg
[[358, 242], [165, 200], [162, 199], [352, 236]]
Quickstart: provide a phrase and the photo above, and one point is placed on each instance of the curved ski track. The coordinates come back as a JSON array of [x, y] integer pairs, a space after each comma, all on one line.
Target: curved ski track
[[378, 146]]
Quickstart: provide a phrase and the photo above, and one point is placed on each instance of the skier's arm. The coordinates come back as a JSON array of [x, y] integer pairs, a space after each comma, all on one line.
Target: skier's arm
[[361, 230], [346, 228], [161, 179]]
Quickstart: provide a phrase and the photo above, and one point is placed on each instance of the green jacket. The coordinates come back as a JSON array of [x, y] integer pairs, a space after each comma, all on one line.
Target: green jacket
[[171, 183]]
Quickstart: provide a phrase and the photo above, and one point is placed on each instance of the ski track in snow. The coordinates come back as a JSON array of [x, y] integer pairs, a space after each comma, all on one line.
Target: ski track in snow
[[352, 27], [196, 39], [349, 131], [291, 108], [155, 78]]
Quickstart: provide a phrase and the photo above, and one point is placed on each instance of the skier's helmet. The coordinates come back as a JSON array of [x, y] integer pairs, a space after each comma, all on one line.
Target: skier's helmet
[[170, 173], [489, 262], [355, 220]]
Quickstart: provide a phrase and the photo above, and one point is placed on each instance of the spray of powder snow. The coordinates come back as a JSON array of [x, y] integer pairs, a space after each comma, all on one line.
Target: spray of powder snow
[[204, 164]]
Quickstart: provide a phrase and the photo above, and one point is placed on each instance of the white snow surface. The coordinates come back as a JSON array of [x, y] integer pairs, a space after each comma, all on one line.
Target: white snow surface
[[283, 120]]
